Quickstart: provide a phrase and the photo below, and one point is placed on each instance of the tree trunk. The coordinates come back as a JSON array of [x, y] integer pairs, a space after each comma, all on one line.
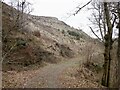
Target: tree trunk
[[106, 61], [118, 56], [118, 50], [108, 48]]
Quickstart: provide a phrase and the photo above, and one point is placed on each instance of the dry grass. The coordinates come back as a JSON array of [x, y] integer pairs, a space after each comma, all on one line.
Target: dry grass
[[81, 77]]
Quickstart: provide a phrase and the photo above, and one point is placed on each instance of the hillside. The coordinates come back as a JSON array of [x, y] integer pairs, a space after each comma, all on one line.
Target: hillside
[[43, 41], [46, 36]]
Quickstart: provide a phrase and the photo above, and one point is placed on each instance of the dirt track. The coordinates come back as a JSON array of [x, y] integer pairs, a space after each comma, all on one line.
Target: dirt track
[[48, 76]]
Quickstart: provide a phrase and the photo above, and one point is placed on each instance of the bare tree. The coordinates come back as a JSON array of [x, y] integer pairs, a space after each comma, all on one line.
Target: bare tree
[[20, 16], [105, 20], [19, 11]]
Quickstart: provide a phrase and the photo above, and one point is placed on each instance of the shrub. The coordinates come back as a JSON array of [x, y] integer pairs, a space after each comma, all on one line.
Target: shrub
[[21, 42], [58, 29], [75, 34], [36, 33], [77, 38], [65, 51], [93, 67], [63, 31]]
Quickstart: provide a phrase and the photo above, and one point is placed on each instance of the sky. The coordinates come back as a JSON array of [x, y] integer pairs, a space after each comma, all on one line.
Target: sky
[[62, 9]]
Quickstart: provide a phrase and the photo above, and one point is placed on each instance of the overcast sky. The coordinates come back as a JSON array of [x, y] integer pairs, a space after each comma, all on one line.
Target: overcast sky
[[62, 9]]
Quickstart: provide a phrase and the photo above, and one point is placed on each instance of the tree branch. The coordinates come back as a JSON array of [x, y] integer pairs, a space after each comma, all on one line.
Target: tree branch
[[4, 56], [114, 19], [81, 8], [95, 33]]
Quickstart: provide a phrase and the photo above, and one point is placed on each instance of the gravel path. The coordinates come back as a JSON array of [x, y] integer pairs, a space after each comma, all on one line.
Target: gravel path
[[48, 76]]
